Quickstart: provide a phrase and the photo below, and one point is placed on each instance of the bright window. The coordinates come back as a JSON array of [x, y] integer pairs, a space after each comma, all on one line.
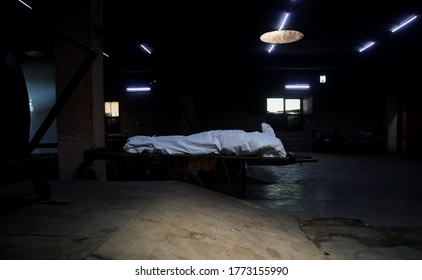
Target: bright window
[[283, 105], [111, 108], [275, 105], [292, 105]]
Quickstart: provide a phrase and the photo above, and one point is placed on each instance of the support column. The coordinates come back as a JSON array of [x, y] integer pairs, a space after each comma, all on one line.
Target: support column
[[80, 123]]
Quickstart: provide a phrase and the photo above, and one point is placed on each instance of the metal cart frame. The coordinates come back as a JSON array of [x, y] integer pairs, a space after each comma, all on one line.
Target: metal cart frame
[[183, 167]]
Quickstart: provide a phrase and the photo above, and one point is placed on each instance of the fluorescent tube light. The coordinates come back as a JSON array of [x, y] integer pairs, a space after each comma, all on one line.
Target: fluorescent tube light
[[25, 4], [366, 46], [137, 89], [297, 86], [403, 24], [271, 48], [145, 48], [283, 22]]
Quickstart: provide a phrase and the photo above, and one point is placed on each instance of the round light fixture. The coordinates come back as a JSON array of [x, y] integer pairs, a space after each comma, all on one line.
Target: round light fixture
[[281, 36]]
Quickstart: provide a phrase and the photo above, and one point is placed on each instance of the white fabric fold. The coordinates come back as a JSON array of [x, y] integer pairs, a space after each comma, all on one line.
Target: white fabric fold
[[224, 142]]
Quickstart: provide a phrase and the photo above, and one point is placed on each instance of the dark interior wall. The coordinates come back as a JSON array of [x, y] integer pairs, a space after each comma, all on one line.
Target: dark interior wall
[[352, 100], [219, 101], [410, 103], [414, 135], [14, 116]]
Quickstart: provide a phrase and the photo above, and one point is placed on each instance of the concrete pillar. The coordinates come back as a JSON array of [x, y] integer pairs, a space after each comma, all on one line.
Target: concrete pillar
[[80, 123], [391, 122]]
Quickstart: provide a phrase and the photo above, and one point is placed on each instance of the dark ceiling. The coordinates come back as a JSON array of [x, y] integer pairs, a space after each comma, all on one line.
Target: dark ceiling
[[213, 35], [194, 39]]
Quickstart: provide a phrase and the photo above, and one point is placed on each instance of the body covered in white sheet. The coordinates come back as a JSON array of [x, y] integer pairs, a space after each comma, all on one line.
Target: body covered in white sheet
[[224, 142]]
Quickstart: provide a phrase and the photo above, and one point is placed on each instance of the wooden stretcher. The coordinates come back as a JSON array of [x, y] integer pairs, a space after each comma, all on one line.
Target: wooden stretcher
[[185, 167]]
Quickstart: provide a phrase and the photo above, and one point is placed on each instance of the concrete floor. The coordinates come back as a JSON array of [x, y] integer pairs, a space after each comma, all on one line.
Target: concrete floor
[[343, 207], [351, 206]]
